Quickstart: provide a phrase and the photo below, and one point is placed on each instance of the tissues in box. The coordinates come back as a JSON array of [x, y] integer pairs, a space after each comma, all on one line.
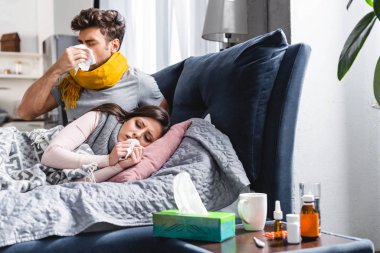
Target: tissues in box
[[214, 227]]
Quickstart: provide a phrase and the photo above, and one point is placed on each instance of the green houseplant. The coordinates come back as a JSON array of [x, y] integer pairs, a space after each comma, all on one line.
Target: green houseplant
[[355, 42]]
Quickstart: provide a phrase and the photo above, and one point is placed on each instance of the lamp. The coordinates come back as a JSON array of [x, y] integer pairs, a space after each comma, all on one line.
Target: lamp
[[226, 21]]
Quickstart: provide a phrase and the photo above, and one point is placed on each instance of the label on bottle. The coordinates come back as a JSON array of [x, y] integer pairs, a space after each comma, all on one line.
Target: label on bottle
[[309, 225]]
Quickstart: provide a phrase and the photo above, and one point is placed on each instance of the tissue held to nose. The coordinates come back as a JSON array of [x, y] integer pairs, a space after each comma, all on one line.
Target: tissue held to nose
[[186, 196], [85, 66], [133, 143]]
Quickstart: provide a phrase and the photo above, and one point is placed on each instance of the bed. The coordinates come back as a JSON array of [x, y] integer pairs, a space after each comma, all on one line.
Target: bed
[[249, 93]]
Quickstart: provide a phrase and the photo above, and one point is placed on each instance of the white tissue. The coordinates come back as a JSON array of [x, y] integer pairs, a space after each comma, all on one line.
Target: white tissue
[[85, 66], [186, 196], [133, 143]]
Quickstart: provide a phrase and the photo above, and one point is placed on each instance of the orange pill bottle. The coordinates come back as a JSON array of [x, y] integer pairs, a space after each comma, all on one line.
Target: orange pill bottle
[[309, 219]]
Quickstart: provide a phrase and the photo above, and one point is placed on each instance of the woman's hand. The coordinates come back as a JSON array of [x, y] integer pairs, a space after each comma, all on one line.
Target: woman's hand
[[120, 150], [135, 157]]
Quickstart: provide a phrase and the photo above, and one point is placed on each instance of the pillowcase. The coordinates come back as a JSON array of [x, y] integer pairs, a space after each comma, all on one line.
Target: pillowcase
[[155, 155]]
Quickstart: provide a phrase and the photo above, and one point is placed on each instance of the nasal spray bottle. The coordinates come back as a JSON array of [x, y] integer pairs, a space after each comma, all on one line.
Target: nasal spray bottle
[[277, 215]]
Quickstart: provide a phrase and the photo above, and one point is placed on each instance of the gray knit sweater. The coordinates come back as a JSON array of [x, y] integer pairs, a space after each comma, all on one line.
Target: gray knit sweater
[[104, 137]]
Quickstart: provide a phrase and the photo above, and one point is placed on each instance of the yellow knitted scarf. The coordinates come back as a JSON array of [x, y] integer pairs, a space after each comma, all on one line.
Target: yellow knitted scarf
[[102, 77]]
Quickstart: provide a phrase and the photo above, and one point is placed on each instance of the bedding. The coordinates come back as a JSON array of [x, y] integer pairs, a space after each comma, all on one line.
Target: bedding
[[20, 155], [70, 208]]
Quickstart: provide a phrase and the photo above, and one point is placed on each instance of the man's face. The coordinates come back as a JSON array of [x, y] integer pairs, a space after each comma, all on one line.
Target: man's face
[[101, 47]]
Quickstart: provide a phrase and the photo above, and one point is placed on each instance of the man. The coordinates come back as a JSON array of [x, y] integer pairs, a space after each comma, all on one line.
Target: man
[[110, 79]]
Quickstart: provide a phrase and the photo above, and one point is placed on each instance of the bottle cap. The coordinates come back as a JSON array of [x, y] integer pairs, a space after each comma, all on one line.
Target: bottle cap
[[292, 218], [277, 213], [308, 198]]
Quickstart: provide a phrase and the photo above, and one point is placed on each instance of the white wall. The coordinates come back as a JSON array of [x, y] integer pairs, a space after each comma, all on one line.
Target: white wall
[[65, 11], [337, 136], [35, 20], [20, 16], [45, 21]]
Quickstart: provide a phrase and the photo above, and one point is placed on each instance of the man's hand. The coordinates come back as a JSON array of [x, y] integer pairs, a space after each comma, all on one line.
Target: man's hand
[[70, 58]]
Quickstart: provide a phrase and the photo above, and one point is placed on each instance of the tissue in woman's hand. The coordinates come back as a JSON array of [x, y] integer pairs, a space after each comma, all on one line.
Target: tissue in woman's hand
[[85, 66], [186, 196], [133, 143]]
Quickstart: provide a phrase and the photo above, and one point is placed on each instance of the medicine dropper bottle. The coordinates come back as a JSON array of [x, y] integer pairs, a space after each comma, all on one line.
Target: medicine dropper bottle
[[309, 217], [277, 215]]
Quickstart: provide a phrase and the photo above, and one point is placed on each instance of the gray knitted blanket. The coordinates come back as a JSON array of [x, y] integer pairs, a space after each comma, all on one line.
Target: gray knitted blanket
[[20, 155], [70, 208]]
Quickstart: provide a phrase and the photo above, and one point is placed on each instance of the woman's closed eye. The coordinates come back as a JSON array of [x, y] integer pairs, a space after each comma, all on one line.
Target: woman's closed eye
[[139, 124], [148, 138]]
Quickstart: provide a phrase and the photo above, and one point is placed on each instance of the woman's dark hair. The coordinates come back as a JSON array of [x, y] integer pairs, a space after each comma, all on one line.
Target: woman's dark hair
[[110, 22], [151, 111]]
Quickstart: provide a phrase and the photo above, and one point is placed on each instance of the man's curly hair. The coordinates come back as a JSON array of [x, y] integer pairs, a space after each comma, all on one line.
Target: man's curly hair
[[110, 22]]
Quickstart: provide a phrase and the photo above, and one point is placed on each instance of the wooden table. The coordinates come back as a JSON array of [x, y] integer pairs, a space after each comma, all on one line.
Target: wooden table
[[243, 242]]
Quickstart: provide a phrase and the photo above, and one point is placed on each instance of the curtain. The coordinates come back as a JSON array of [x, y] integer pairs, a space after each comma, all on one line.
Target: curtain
[[161, 32]]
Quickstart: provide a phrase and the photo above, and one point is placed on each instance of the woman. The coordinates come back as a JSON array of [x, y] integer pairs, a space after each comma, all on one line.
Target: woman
[[108, 130]]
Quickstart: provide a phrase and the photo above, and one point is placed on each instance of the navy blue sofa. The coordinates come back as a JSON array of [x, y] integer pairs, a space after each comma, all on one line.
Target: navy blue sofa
[[251, 92]]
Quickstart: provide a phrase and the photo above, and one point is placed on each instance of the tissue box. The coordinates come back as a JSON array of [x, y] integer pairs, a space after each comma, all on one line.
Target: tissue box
[[214, 227]]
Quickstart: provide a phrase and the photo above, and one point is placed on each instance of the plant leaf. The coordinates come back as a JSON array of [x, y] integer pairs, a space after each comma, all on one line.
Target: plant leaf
[[354, 43], [349, 3], [376, 8], [376, 82], [369, 2]]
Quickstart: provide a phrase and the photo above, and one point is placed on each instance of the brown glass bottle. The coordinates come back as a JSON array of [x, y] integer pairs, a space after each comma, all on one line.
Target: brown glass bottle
[[309, 219], [278, 230], [277, 215]]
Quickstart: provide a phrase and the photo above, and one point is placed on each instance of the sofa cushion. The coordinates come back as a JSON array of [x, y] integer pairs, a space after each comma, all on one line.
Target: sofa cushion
[[167, 80], [234, 87]]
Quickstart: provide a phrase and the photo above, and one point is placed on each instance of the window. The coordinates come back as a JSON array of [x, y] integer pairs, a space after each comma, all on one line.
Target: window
[[162, 32]]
